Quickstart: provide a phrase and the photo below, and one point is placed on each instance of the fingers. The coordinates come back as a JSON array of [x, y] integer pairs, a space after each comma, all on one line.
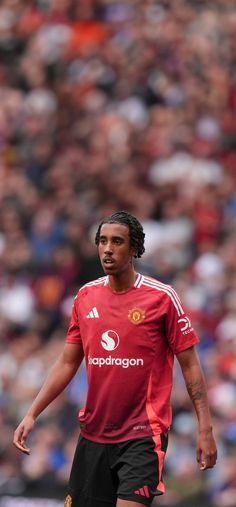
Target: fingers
[[199, 456], [210, 461], [22, 448], [201, 461], [19, 440], [22, 432], [206, 461], [205, 465]]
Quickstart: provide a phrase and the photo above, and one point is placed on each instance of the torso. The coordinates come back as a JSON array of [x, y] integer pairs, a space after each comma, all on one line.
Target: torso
[[129, 340]]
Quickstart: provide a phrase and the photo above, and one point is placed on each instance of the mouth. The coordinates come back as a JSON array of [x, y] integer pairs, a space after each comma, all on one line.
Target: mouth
[[108, 261]]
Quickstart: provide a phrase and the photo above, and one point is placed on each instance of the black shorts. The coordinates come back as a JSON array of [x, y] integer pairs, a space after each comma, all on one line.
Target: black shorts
[[130, 470]]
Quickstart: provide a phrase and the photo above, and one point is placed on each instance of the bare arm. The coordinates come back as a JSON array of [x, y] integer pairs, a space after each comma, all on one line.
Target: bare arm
[[196, 387], [58, 378]]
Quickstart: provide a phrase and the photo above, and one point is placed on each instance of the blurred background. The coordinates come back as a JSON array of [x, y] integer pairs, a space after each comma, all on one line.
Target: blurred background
[[109, 105]]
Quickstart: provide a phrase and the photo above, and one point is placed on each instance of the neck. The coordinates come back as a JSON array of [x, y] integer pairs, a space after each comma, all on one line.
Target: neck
[[122, 282]]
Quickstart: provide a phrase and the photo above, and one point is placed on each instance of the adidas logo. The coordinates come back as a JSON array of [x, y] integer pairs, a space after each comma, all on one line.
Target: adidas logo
[[143, 492], [93, 314]]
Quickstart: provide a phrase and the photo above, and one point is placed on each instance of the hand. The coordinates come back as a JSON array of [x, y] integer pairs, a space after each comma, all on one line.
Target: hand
[[21, 433], [206, 449]]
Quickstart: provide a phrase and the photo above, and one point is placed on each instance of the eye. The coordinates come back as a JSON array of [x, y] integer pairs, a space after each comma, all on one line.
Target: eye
[[102, 241]]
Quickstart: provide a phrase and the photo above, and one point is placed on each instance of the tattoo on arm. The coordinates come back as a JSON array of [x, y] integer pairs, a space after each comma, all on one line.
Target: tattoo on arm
[[195, 390]]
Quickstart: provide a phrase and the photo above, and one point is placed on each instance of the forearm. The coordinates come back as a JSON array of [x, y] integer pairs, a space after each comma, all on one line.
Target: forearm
[[206, 451], [196, 387], [58, 378]]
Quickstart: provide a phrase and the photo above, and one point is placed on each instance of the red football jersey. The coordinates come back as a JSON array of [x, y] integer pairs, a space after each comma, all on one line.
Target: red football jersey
[[129, 341]]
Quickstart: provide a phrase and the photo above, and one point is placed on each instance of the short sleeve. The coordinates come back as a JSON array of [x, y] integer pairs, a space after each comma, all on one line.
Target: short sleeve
[[179, 330], [73, 333]]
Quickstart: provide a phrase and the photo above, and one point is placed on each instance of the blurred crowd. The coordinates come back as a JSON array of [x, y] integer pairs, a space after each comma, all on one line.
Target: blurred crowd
[[108, 105]]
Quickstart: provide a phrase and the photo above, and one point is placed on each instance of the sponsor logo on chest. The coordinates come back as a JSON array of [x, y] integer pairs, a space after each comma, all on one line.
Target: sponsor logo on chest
[[110, 341]]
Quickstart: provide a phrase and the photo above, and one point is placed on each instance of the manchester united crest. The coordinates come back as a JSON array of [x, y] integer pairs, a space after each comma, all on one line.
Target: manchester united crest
[[136, 315], [68, 501]]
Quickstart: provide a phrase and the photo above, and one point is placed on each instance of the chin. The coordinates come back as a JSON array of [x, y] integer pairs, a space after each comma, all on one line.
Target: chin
[[109, 270], [106, 268]]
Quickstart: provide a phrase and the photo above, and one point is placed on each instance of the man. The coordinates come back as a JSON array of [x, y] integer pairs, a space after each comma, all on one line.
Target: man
[[128, 327]]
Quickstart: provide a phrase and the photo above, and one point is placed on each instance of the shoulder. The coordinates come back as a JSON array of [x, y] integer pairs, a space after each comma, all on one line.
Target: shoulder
[[88, 288], [157, 286], [162, 290], [93, 285]]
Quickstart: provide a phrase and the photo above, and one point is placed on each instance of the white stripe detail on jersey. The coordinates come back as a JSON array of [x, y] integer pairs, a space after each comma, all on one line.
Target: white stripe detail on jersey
[[174, 292], [140, 281], [137, 280], [168, 287], [98, 281], [168, 290]]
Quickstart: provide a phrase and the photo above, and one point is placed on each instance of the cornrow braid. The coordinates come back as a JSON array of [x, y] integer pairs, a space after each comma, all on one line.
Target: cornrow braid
[[136, 233]]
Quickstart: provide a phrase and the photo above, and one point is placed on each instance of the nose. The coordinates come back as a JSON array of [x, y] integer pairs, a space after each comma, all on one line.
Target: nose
[[108, 248]]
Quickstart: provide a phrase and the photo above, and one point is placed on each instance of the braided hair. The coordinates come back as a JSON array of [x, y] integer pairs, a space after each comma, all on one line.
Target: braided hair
[[136, 233]]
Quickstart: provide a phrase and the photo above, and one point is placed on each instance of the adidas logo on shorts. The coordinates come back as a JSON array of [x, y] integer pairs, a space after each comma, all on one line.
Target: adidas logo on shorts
[[143, 492]]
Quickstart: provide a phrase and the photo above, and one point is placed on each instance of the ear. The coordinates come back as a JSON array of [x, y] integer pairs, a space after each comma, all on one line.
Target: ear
[[134, 253]]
